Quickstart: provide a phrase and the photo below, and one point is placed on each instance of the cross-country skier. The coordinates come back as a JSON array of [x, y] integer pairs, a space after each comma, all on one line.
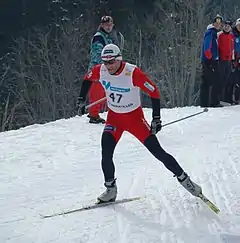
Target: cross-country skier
[[122, 83]]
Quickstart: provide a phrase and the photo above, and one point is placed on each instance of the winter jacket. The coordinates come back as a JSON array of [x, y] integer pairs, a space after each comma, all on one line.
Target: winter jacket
[[100, 39], [226, 46], [210, 45], [236, 34]]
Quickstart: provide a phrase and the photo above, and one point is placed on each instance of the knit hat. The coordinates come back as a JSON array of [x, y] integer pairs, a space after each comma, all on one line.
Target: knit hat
[[228, 22], [106, 19], [238, 21], [218, 19]]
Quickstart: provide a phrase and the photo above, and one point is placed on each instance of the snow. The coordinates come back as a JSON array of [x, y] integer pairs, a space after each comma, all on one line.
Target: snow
[[48, 168]]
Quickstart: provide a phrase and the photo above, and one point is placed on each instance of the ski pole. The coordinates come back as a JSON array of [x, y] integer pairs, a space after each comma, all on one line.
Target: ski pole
[[184, 118], [96, 102]]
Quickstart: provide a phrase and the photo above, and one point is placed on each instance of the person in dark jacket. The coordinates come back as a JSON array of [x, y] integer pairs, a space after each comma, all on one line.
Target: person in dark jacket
[[226, 51], [106, 34], [236, 85], [209, 58]]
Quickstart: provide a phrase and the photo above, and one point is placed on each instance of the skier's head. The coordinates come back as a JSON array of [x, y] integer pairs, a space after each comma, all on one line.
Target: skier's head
[[106, 23], [217, 21], [238, 24], [227, 25], [111, 57]]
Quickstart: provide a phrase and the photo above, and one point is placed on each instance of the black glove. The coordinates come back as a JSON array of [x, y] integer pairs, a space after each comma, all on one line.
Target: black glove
[[81, 106], [156, 125]]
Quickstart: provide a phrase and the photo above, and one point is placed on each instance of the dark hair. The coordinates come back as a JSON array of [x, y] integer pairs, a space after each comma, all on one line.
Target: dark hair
[[229, 22]]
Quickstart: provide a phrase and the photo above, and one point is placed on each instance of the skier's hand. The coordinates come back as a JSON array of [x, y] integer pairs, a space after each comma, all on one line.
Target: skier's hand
[[81, 106], [156, 125]]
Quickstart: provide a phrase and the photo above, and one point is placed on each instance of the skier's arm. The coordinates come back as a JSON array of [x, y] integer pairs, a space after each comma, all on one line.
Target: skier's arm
[[86, 85], [207, 45], [141, 80], [96, 49], [91, 76]]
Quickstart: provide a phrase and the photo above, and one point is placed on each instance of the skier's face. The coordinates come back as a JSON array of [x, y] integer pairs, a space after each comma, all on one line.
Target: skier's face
[[238, 27], [218, 23], [227, 27], [107, 27], [112, 65]]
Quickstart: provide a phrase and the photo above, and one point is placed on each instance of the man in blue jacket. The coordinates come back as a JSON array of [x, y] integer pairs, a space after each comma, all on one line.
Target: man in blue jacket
[[209, 57]]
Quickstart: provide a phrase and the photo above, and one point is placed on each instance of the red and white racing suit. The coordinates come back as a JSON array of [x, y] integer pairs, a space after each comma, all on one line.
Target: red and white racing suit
[[125, 113], [124, 100]]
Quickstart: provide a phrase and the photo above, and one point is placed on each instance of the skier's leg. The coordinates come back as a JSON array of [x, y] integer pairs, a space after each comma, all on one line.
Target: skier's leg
[[141, 130], [110, 137], [108, 143], [153, 145]]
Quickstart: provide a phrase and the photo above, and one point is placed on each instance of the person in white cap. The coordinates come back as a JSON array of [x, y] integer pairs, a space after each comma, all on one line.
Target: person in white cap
[[238, 24], [122, 83]]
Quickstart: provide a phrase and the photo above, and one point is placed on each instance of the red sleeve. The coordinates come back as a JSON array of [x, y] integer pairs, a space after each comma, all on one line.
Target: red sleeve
[[93, 74], [232, 44], [208, 54], [141, 80]]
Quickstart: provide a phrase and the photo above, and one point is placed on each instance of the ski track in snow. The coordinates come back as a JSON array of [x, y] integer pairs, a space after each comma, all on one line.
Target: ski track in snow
[[54, 167]]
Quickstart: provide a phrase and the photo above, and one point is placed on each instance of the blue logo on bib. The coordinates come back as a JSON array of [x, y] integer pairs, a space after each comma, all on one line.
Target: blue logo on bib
[[107, 86]]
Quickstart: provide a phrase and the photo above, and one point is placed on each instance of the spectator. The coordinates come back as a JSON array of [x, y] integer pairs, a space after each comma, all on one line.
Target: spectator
[[105, 35], [209, 58], [226, 50], [236, 86]]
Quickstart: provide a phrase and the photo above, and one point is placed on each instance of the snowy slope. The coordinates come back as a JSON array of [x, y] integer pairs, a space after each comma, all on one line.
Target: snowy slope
[[56, 166]]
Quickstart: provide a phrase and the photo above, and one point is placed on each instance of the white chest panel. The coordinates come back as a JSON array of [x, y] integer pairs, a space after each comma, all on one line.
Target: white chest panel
[[122, 96]]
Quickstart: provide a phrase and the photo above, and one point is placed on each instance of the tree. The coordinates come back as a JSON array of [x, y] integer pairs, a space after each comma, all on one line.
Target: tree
[[171, 49], [40, 77], [47, 68]]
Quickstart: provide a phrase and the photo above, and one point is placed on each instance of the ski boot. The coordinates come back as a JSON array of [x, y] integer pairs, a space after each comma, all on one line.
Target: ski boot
[[189, 185], [110, 193], [96, 120]]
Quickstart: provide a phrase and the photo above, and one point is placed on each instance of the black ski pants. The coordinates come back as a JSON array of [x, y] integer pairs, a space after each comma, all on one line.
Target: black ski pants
[[225, 70], [109, 143], [210, 88]]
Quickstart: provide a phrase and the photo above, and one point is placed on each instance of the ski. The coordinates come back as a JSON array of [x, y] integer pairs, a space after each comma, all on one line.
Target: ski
[[92, 206], [211, 205]]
